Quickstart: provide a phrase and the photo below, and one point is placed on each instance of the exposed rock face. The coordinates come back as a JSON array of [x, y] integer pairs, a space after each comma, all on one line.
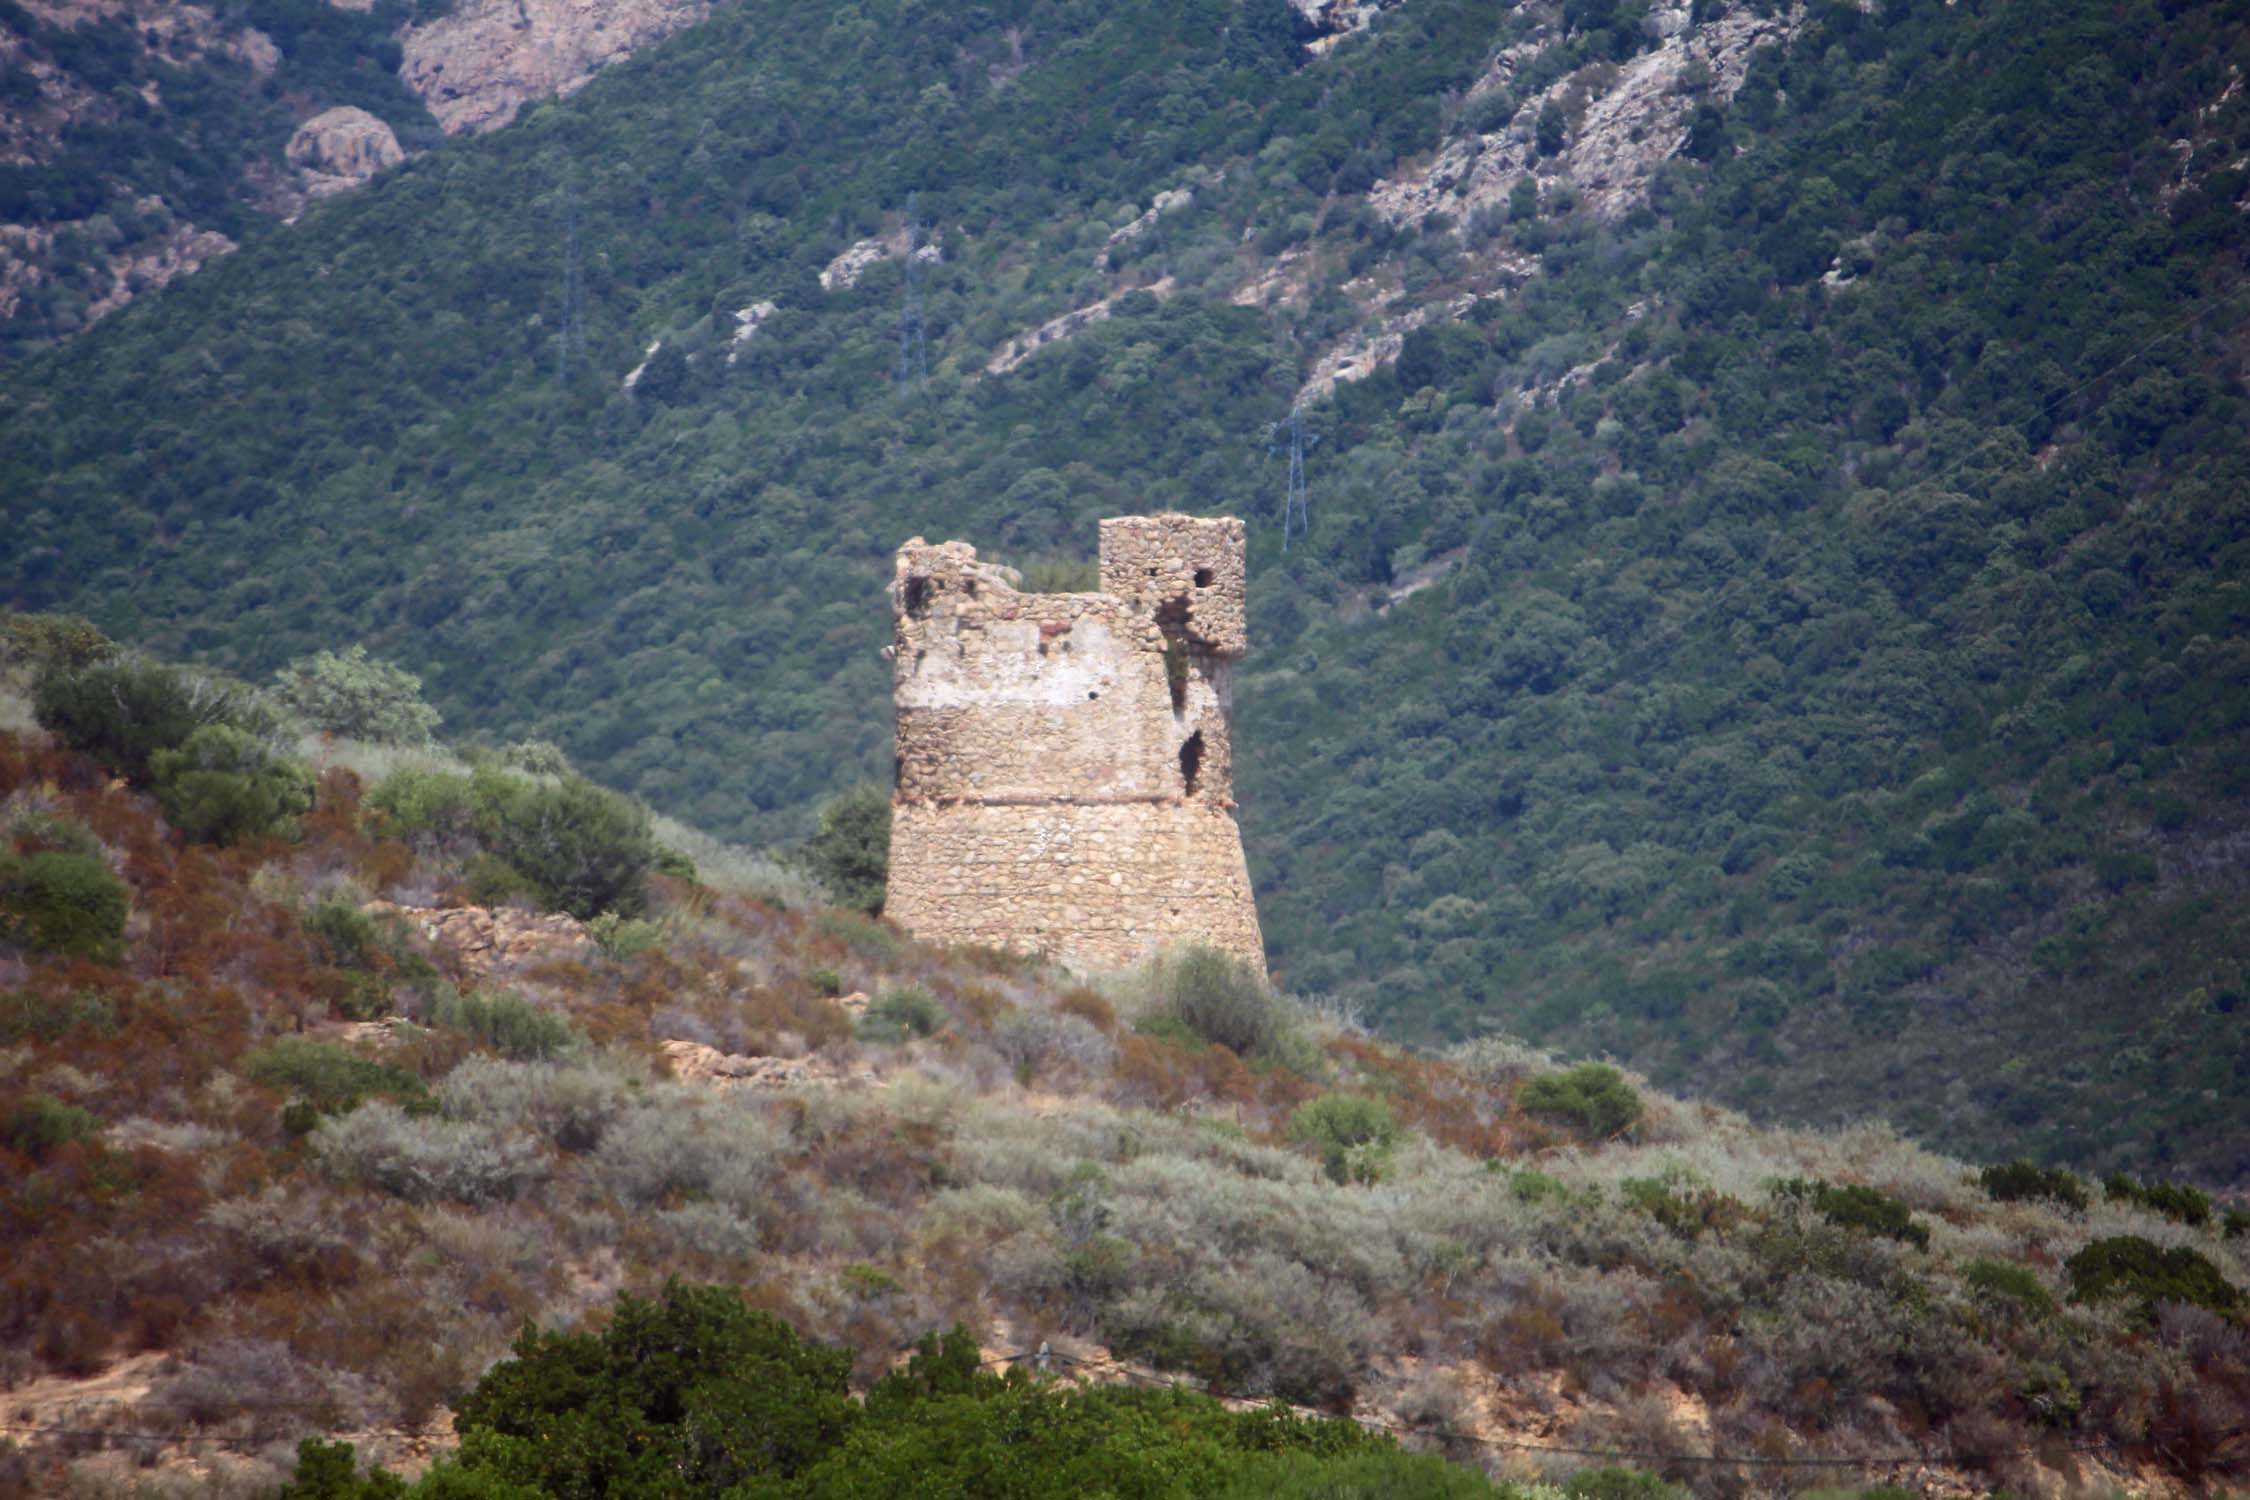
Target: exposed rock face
[[693, 1062], [489, 939], [1635, 118], [1331, 20], [843, 273], [1055, 330], [477, 66], [341, 148], [1065, 761]]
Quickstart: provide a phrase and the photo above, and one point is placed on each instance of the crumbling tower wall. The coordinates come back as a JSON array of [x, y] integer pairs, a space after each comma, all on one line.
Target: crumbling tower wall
[[1066, 761]]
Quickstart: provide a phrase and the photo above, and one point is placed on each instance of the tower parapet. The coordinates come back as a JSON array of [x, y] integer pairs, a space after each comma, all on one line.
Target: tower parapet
[[1065, 772]]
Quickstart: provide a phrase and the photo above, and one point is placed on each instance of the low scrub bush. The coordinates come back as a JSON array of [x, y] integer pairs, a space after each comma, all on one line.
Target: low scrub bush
[[1857, 1208], [1222, 1000], [349, 938], [2128, 1266], [1687, 1207], [2015, 1181], [2008, 1282], [424, 1159], [569, 1106], [1592, 1099], [584, 848], [677, 1148], [624, 937], [123, 710], [900, 1015], [333, 1079], [508, 1024], [39, 1126], [57, 902], [2174, 1200], [568, 844], [1353, 1135], [224, 785]]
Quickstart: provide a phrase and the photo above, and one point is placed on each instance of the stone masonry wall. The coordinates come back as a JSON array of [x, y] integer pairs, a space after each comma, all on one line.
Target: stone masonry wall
[[1065, 775]]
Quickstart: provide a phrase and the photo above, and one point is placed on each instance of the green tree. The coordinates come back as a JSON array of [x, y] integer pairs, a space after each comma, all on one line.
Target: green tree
[[850, 852], [357, 696]]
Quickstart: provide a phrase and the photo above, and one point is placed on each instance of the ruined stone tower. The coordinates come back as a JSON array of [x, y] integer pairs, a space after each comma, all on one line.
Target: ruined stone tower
[[1065, 761]]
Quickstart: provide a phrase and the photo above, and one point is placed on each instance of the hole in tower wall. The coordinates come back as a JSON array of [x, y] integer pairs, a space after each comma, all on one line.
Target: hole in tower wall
[[917, 597], [1191, 760], [1202, 578]]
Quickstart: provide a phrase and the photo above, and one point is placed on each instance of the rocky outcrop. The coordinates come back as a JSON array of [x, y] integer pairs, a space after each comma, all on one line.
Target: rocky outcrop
[[843, 273], [476, 66], [338, 149], [1633, 118], [1055, 330], [1332, 20], [487, 939], [693, 1062]]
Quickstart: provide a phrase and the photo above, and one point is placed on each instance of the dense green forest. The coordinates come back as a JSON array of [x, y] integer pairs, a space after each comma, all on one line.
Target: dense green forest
[[1833, 691], [164, 126]]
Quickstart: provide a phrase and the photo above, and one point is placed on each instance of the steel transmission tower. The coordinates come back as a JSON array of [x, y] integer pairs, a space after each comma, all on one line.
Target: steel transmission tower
[[570, 342], [913, 351]]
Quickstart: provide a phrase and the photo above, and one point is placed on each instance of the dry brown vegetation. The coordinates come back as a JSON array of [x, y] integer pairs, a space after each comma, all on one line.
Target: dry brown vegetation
[[345, 1238]]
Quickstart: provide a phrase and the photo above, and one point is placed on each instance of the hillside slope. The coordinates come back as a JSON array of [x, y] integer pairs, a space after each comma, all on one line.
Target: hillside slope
[[1773, 603], [279, 1156]]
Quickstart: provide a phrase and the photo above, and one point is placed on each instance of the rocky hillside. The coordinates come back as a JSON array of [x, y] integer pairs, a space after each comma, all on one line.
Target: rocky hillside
[[1768, 600], [139, 138], [296, 1134]]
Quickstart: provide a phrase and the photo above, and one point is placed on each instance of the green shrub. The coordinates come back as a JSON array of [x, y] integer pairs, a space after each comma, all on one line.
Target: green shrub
[[508, 1024], [26, 1015], [357, 696], [623, 937], [1222, 1000], [2127, 1265], [1682, 1204], [225, 785], [433, 810], [2174, 1200], [1619, 1484], [694, 1394], [850, 851], [826, 980], [2014, 1181], [897, 1015], [332, 1079], [2008, 1281], [584, 848], [1857, 1208], [1593, 1099], [349, 938], [55, 902], [1353, 1133], [569, 845], [690, 1394], [123, 710], [39, 1126]]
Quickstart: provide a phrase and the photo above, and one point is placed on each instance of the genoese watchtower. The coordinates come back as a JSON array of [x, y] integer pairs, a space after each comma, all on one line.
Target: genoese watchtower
[[1066, 761]]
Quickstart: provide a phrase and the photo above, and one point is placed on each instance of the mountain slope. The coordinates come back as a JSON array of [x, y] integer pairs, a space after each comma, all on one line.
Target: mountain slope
[[1776, 615], [279, 1155]]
